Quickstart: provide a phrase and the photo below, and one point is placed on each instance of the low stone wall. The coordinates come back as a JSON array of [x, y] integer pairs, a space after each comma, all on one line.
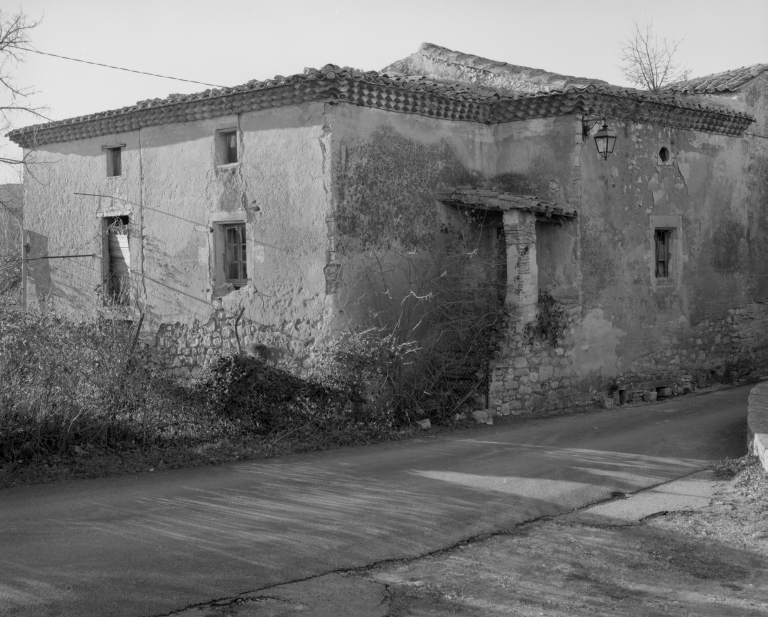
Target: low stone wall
[[529, 375], [757, 422], [187, 348], [724, 350]]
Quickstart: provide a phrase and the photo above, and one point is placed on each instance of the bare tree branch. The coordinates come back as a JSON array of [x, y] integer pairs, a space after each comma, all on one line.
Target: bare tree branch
[[15, 100], [649, 62]]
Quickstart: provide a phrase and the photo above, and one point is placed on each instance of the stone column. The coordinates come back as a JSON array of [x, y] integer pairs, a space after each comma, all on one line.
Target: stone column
[[522, 270]]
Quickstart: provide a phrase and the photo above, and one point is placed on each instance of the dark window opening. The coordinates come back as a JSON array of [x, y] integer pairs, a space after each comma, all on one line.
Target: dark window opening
[[664, 155], [117, 288], [235, 269], [663, 241], [229, 147], [114, 162]]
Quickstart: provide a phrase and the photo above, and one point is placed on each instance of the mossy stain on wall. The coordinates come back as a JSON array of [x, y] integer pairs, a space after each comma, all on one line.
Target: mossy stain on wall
[[726, 241], [387, 187]]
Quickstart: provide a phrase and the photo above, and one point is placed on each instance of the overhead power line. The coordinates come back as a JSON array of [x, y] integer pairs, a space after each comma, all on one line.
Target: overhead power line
[[119, 68]]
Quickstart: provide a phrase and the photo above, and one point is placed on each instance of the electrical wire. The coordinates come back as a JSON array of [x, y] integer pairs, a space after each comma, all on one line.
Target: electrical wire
[[119, 68]]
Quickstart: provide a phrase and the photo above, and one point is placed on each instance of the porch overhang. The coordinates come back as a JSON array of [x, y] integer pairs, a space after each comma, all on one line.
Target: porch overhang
[[495, 200], [520, 214]]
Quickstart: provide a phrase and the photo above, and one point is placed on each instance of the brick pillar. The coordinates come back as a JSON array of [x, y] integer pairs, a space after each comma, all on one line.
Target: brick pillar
[[522, 270]]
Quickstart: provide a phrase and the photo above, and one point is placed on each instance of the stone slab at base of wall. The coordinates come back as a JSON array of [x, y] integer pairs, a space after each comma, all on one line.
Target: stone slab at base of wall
[[757, 422], [186, 349]]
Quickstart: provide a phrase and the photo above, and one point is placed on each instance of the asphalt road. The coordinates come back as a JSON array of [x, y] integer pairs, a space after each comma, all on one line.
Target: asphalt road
[[152, 544]]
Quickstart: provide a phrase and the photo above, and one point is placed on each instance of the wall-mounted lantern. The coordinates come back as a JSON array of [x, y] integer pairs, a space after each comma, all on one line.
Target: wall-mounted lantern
[[605, 140]]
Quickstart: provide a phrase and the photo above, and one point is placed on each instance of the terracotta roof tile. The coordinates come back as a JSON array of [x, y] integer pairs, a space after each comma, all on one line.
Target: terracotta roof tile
[[405, 94], [727, 81], [493, 199]]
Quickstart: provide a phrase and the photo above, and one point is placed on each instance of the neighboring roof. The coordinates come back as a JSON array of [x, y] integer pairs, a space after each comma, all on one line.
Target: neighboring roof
[[437, 62], [727, 81], [404, 94], [492, 199]]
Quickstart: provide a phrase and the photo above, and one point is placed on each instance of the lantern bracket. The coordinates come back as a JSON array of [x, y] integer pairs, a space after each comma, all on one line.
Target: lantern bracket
[[588, 122]]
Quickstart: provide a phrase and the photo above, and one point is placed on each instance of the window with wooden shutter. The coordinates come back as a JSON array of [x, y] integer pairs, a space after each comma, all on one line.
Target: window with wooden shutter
[[235, 257], [663, 240]]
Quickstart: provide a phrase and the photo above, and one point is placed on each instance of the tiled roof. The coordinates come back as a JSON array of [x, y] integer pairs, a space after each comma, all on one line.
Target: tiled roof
[[437, 62], [625, 104], [727, 81], [414, 95], [492, 199]]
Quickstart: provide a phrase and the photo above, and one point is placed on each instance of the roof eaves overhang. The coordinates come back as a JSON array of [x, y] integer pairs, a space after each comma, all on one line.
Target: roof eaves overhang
[[494, 200], [629, 105], [409, 95]]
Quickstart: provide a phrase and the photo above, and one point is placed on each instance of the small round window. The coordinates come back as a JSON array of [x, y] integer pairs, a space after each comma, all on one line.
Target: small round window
[[664, 155]]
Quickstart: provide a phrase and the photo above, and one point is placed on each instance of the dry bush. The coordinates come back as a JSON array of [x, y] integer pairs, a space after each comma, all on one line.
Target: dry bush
[[10, 251], [68, 386], [430, 331], [270, 401]]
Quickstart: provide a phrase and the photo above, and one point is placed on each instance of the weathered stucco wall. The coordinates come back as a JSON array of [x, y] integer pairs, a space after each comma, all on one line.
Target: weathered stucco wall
[[59, 222], [392, 234], [175, 194], [630, 331], [707, 193], [342, 219]]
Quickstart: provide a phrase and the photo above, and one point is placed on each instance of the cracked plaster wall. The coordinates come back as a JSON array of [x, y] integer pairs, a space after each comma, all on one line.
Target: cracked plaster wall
[[703, 318], [280, 188]]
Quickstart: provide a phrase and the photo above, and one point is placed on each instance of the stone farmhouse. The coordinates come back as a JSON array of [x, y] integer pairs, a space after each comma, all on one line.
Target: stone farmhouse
[[259, 215]]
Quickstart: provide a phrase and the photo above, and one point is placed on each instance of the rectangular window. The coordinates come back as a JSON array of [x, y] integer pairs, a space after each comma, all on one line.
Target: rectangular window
[[114, 162], [227, 147], [235, 269], [117, 267], [663, 240]]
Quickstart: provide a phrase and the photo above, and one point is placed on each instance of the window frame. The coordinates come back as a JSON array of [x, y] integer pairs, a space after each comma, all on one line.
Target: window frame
[[110, 297], [668, 236], [238, 257], [672, 224], [224, 148], [114, 154]]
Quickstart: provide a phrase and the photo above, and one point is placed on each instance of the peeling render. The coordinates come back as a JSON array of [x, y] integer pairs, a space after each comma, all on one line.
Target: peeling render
[[176, 195]]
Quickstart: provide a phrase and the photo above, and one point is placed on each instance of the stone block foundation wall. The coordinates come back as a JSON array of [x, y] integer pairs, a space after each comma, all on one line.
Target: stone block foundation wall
[[528, 376], [185, 349], [531, 375]]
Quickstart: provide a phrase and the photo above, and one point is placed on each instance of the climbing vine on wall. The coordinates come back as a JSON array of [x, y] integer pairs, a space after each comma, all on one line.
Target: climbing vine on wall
[[551, 320]]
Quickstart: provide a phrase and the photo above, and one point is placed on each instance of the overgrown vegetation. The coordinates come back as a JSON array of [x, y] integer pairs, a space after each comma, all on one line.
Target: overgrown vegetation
[[75, 389], [69, 387], [431, 321], [258, 398], [551, 320]]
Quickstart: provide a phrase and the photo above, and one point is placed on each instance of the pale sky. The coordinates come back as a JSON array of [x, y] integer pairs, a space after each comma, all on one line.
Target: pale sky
[[229, 42]]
